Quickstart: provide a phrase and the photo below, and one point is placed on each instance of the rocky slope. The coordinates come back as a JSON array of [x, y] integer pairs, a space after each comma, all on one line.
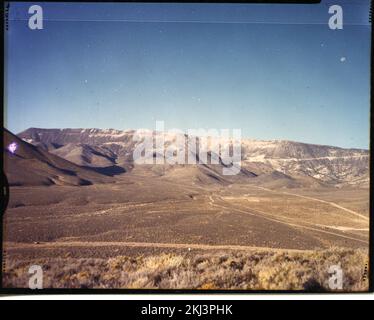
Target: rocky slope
[[290, 163], [30, 165]]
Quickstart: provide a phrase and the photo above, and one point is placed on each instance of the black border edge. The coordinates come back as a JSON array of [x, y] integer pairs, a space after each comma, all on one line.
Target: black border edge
[[371, 168], [3, 177]]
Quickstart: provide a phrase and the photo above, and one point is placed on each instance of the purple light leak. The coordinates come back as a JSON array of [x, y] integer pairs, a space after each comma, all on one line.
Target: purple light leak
[[12, 147]]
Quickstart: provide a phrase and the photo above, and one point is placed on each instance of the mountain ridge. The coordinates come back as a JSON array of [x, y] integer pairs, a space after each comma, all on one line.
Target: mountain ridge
[[314, 163], [30, 165], [118, 133]]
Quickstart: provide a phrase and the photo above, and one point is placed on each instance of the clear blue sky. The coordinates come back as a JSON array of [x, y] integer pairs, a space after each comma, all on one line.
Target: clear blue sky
[[275, 72]]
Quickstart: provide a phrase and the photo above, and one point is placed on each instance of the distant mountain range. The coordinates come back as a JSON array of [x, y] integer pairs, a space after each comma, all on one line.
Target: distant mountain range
[[85, 156]]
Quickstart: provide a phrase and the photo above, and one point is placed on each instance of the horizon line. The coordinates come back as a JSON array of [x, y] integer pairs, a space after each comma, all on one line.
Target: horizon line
[[165, 131]]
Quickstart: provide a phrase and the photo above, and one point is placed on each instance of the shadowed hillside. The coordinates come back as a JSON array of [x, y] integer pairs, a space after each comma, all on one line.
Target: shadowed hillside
[[31, 165]]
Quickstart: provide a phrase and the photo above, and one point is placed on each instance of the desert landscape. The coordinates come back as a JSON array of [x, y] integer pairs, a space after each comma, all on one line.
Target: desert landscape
[[92, 218], [187, 146]]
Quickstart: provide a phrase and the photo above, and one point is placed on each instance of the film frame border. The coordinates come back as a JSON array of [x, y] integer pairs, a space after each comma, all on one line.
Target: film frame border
[[47, 291]]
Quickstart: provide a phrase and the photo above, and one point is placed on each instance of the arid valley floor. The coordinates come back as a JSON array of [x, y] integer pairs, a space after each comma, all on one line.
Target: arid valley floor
[[136, 218]]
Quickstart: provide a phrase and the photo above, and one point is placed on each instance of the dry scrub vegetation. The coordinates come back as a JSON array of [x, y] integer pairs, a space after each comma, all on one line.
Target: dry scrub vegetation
[[261, 270]]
